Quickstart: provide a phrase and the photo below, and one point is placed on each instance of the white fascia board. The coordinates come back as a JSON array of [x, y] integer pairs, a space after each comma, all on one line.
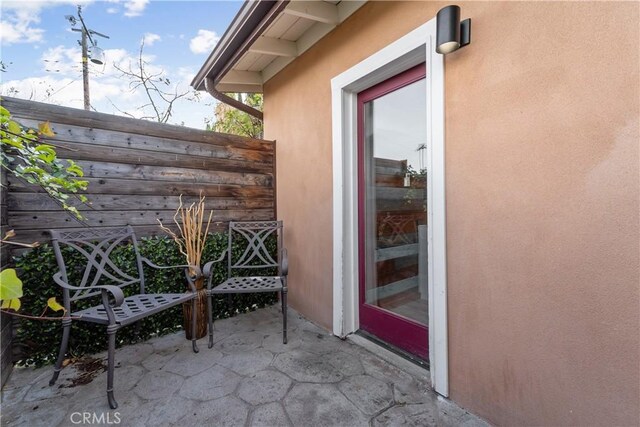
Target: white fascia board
[[276, 47]]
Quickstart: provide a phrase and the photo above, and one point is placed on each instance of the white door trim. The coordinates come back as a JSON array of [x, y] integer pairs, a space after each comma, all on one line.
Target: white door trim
[[412, 49]]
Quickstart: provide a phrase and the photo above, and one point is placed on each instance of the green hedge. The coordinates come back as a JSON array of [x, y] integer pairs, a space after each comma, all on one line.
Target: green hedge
[[39, 340]]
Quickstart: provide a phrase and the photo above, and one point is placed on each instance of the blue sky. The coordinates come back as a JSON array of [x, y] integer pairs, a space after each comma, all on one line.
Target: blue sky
[[43, 57]]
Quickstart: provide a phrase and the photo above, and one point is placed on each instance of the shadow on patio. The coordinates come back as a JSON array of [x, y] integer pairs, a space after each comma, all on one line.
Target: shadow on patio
[[248, 378]]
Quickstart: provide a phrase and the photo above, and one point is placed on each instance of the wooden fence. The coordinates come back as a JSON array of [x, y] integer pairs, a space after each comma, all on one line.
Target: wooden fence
[[137, 170]]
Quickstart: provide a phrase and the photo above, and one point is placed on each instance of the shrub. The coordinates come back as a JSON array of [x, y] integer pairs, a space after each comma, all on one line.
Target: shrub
[[39, 341]]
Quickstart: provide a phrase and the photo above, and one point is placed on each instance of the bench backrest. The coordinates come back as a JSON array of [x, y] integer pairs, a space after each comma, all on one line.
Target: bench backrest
[[96, 246], [256, 235]]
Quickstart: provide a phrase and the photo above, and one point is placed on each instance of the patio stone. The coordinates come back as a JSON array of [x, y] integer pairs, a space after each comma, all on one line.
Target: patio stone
[[345, 363], [42, 390], [127, 412], [247, 363], [125, 378], [214, 383], [322, 405], [187, 363], [248, 378], [264, 387], [408, 415], [370, 395], [158, 384], [157, 361], [133, 354], [320, 341], [306, 367], [11, 395], [34, 414], [169, 343], [269, 415], [240, 342], [166, 411], [273, 342], [226, 411]]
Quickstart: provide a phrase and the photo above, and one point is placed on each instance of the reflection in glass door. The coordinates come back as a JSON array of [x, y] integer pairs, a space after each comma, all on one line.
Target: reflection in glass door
[[393, 211]]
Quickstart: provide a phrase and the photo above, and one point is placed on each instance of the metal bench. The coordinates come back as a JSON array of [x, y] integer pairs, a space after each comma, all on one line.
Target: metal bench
[[116, 310], [255, 235]]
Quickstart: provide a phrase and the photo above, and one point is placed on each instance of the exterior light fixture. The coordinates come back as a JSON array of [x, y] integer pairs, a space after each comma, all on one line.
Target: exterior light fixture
[[451, 34]]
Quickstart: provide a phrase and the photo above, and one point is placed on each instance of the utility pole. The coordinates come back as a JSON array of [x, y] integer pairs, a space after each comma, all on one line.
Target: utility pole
[[85, 69], [97, 55]]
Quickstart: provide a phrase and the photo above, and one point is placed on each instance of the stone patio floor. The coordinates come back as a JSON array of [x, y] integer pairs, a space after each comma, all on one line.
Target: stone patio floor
[[248, 378]]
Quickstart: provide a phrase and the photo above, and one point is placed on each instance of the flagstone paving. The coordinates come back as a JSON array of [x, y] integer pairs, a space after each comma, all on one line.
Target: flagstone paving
[[249, 378]]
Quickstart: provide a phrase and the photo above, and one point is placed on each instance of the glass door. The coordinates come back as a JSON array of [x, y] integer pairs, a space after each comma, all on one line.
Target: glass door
[[392, 214]]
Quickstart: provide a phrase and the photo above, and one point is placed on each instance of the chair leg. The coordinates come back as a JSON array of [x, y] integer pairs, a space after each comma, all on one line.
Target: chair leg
[[194, 317], [283, 296], [66, 331], [111, 333], [210, 314]]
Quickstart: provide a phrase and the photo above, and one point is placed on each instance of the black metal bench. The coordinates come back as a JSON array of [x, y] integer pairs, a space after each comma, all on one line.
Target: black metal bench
[[116, 310]]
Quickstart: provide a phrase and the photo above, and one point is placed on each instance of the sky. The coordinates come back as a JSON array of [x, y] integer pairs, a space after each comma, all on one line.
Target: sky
[[42, 55]]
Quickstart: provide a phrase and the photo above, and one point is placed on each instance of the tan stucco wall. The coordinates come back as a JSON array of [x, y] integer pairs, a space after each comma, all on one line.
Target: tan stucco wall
[[542, 173]]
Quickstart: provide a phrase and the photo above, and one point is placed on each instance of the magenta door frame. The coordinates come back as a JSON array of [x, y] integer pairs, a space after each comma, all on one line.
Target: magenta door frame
[[396, 330]]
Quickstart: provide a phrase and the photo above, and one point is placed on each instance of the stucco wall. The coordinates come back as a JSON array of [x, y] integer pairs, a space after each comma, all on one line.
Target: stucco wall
[[542, 176]]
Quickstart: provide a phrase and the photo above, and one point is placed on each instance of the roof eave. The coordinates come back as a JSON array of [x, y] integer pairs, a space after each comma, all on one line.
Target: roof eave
[[250, 15]]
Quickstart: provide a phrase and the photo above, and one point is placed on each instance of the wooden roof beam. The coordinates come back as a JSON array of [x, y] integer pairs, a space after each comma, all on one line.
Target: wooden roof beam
[[318, 11], [276, 47]]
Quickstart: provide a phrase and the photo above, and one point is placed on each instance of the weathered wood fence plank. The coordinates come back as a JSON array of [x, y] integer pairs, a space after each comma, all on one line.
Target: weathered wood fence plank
[[137, 169]]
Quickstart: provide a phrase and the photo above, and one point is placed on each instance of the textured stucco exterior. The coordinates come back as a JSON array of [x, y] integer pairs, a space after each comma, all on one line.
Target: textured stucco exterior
[[542, 188]]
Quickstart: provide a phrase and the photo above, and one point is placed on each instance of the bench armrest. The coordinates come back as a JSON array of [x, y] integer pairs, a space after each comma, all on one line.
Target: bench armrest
[[115, 291], [195, 268], [105, 290], [191, 278], [208, 268], [284, 262]]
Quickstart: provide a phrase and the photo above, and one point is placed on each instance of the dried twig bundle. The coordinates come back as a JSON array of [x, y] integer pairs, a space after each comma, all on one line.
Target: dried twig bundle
[[191, 238]]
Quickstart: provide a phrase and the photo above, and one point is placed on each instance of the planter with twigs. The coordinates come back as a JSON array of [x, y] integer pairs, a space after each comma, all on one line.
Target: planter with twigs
[[191, 237]]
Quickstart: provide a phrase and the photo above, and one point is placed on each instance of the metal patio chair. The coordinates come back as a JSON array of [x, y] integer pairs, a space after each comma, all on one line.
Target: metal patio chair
[[255, 235], [116, 310]]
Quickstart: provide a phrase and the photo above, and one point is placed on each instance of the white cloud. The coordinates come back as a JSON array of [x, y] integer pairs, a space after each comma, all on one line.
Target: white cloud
[[62, 85], [135, 7], [204, 41], [18, 26], [151, 38], [20, 19], [112, 10]]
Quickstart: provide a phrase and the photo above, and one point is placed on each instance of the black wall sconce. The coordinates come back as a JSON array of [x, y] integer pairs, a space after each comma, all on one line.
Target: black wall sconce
[[451, 34]]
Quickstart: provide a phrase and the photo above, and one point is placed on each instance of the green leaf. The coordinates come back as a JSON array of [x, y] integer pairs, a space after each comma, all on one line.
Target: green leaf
[[14, 142], [75, 170], [46, 152], [14, 127], [4, 112], [54, 305], [10, 285], [11, 304]]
